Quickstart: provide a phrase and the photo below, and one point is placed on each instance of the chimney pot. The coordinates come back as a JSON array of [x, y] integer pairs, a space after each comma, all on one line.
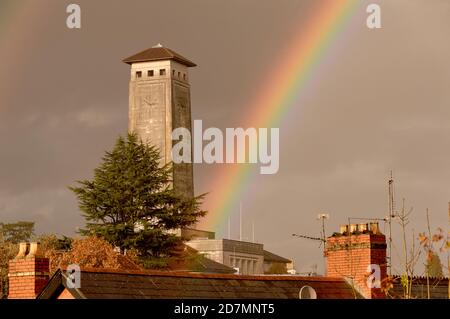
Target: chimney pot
[[343, 229], [23, 250], [362, 227], [374, 228], [34, 250]]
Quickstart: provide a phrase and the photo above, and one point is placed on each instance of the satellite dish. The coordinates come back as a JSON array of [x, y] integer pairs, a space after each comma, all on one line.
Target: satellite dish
[[307, 292]]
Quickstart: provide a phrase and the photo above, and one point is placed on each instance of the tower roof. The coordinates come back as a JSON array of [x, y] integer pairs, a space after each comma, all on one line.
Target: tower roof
[[158, 53]]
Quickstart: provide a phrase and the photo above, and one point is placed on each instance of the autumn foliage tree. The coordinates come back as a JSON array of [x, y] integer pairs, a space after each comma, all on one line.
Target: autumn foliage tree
[[7, 252], [90, 252]]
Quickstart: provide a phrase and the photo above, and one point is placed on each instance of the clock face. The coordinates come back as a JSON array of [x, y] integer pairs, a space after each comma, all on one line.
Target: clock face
[[147, 101], [149, 113]]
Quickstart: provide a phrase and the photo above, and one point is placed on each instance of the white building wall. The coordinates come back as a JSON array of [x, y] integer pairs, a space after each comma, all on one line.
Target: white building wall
[[248, 257]]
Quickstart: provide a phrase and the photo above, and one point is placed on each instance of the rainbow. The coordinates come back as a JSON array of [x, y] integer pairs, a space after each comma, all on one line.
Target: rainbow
[[20, 22], [18, 17], [8, 11], [287, 83]]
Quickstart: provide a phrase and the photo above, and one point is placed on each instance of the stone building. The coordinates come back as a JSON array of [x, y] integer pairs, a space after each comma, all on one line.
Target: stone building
[[275, 264], [247, 258], [159, 102]]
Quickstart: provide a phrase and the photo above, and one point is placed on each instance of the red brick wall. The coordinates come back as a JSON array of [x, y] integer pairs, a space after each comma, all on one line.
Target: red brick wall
[[349, 256], [27, 277]]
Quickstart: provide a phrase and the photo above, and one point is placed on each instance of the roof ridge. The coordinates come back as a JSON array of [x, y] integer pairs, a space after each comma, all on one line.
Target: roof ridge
[[274, 256], [101, 285], [168, 51], [157, 54], [422, 277], [212, 276]]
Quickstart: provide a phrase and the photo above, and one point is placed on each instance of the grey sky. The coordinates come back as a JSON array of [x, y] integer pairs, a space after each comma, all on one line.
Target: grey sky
[[382, 103]]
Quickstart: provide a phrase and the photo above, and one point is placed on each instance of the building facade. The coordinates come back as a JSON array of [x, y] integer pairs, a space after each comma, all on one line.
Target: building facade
[[247, 258]]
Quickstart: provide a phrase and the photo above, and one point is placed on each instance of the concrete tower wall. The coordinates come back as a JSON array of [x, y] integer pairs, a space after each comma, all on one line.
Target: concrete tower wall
[[159, 102]]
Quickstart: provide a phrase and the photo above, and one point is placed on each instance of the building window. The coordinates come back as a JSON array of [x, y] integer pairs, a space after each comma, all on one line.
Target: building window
[[179, 75], [162, 72], [150, 73], [138, 74], [173, 73], [184, 76]]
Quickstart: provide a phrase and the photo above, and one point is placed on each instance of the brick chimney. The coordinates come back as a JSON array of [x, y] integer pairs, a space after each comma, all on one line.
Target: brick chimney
[[355, 253], [28, 272]]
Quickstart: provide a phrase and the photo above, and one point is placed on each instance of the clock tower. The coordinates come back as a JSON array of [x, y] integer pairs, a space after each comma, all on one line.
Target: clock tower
[[159, 102]]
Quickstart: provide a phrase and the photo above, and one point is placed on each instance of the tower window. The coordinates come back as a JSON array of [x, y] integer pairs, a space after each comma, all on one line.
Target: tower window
[[184, 76], [173, 73], [162, 72], [138, 74], [179, 75], [150, 73]]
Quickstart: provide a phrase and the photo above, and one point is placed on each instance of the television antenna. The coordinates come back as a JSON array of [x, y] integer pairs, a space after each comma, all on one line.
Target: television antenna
[[309, 237], [322, 237], [323, 217], [392, 215]]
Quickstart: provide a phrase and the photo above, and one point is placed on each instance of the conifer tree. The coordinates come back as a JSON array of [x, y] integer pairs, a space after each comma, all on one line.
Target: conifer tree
[[15, 233], [130, 202]]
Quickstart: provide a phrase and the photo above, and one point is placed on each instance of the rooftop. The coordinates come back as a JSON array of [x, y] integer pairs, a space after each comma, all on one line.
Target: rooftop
[[107, 284], [189, 260], [268, 256]]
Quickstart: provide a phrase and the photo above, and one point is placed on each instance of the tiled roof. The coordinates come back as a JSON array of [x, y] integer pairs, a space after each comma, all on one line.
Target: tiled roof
[[158, 53], [107, 284], [268, 256]]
